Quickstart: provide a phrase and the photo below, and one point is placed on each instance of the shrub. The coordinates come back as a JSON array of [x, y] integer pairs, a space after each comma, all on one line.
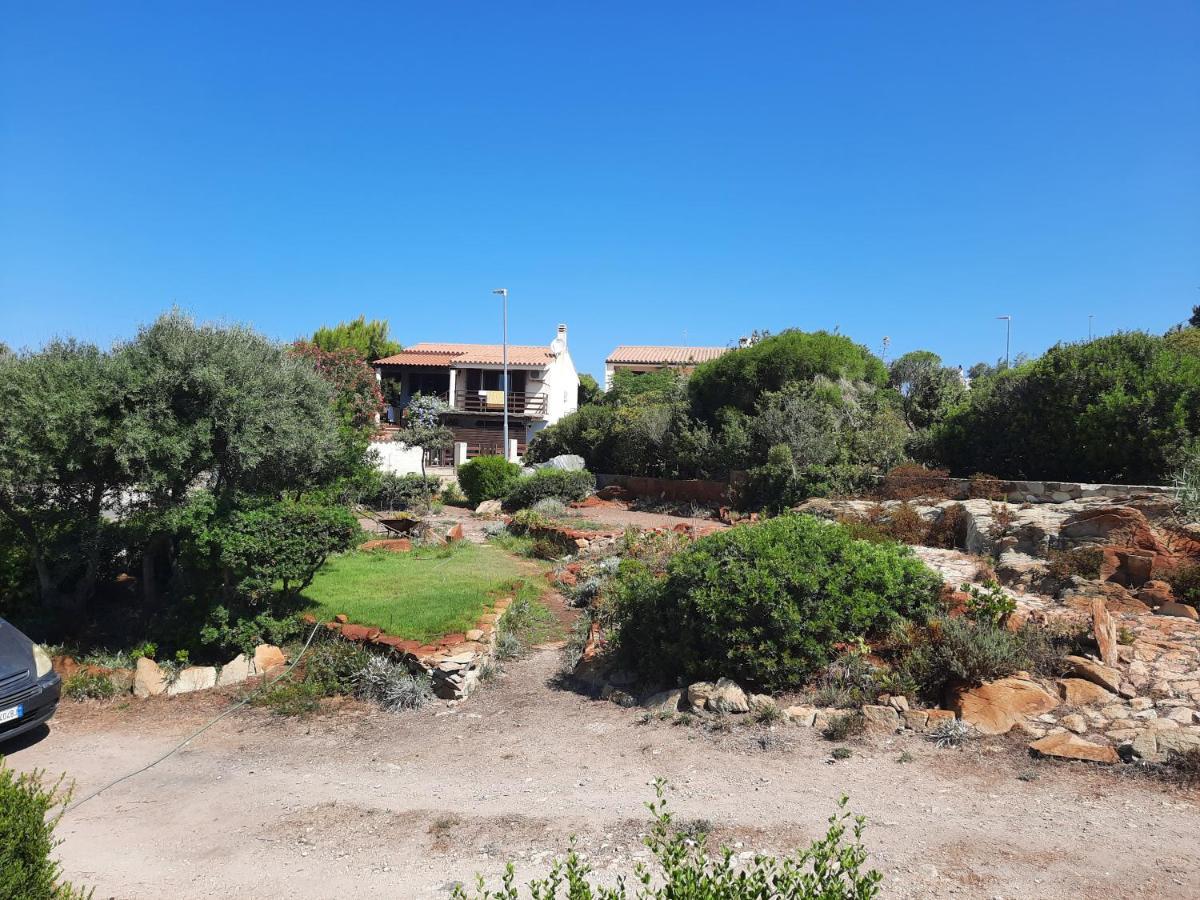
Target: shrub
[[986, 487], [911, 481], [830, 868], [949, 530], [487, 478], [525, 623], [849, 681], [906, 525], [243, 631], [962, 652], [1084, 562], [333, 666], [550, 507], [82, 686], [950, 733], [764, 604], [988, 603], [550, 484], [29, 813], [1185, 582], [1055, 418], [844, 726], [391, 685], [399, 492]]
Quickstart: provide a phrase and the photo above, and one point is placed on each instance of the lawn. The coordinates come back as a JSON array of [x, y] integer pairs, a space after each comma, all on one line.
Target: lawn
[[419, 595]]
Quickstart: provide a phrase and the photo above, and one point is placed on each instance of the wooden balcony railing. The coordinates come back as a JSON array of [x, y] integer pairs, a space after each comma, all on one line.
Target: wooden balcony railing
[[520, 403]]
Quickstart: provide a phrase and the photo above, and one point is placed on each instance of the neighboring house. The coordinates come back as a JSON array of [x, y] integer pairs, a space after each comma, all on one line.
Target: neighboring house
[[543, 387], [652, 359]]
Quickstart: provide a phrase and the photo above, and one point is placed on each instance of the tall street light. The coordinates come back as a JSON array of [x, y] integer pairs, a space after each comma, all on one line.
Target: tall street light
[[1007, 342], [503, 292]]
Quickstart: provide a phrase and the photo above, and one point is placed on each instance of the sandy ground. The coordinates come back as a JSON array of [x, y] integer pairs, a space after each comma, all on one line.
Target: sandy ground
[[356, 802]]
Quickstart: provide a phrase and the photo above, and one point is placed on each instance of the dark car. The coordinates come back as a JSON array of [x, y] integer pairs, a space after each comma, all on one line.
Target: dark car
[[29, 686]]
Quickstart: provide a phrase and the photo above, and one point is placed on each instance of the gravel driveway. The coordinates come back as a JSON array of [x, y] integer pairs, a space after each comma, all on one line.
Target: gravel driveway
[[360, 803]]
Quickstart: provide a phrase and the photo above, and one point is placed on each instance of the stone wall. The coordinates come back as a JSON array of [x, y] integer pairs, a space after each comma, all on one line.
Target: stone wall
[[694, 490], [1060, 491]]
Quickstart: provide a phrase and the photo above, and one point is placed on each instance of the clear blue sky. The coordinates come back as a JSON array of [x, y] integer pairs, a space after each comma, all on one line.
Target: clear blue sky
[[638, 170]]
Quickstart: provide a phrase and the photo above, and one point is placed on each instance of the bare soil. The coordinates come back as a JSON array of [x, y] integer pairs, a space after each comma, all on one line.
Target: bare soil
[[357, 802]]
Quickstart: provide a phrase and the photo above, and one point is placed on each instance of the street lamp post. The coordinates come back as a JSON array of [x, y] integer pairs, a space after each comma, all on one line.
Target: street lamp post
[[1090, 317], [1007, 341], [503, 292]]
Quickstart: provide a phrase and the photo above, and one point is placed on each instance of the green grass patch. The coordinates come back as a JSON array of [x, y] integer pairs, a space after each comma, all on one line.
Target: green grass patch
[[419, 595]]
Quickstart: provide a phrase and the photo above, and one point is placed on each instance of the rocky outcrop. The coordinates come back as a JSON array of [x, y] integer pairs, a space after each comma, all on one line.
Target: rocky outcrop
[[995, 707], [1065, 745]]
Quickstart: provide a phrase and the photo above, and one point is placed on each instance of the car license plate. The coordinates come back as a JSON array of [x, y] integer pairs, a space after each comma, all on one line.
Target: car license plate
[[7, 715]]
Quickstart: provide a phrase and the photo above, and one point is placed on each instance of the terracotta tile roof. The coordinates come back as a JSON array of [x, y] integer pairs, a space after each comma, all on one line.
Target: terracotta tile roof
[[664, 356], [432, 354]]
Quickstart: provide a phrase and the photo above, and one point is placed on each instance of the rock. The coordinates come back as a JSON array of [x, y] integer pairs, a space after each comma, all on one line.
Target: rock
[[727, 697], [1065, 745], [915, 719], [455, 534], [268, 657], [900, 703], [996, 707], [392, 545], [1145, 745], [122, 679], [664, 701], [621, 698], [1080, 692], [699, 692], [1014, 568], [760, 702], [1177, 741], [1183, 715], [490, 508], [1109, 679], [235, 671], [148, 679], [1156, 593], [804, 716], [936, 717], [568, 462], [1182, 610], [881, 719], [193, 678], [1074, 722], [1104, 629]]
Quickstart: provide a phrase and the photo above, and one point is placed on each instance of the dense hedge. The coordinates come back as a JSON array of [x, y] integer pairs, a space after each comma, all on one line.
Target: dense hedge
[[1116, 409], [765, 604], [554, 484], [487, 478]]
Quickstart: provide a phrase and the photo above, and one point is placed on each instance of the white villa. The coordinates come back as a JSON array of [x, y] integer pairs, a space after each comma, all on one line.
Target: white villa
[[543, 387]]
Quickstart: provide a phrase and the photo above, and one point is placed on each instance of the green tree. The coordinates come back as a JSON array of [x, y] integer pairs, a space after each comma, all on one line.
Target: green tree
[[356, 390], [589, 389], [740, 377], [368, 339], [1194, 321], [928, 390], [423, 427], [1117, 409], [62, 466]]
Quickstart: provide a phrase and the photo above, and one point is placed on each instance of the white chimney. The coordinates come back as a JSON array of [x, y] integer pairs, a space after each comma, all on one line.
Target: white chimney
[[559, 344]]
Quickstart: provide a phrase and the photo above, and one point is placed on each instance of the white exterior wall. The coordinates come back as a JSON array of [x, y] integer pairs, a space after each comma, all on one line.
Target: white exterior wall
[[398, 458], [561, 388]]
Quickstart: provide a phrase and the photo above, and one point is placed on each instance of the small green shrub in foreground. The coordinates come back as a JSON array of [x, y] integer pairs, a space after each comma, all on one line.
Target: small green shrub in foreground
[[550, 484], [82, 686], [765, 604], [29, 813], [830, 868], [487, 478]]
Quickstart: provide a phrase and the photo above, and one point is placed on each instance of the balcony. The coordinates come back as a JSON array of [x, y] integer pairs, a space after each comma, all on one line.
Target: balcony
[[520, 403]]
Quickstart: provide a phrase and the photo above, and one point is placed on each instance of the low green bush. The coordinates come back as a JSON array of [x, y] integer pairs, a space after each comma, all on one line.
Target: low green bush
[[390, 491], [765, 604], [487, 478], [833, 867], [964, 652], [29, 812], [82, 686], [550, 484], [1084, 562]]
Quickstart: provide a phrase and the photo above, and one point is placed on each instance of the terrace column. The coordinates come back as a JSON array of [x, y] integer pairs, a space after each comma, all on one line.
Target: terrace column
[[453, 378], [512, 450], [460, 453]]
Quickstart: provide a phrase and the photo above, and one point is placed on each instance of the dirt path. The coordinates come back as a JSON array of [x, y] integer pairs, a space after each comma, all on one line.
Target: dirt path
[[367, 804]]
